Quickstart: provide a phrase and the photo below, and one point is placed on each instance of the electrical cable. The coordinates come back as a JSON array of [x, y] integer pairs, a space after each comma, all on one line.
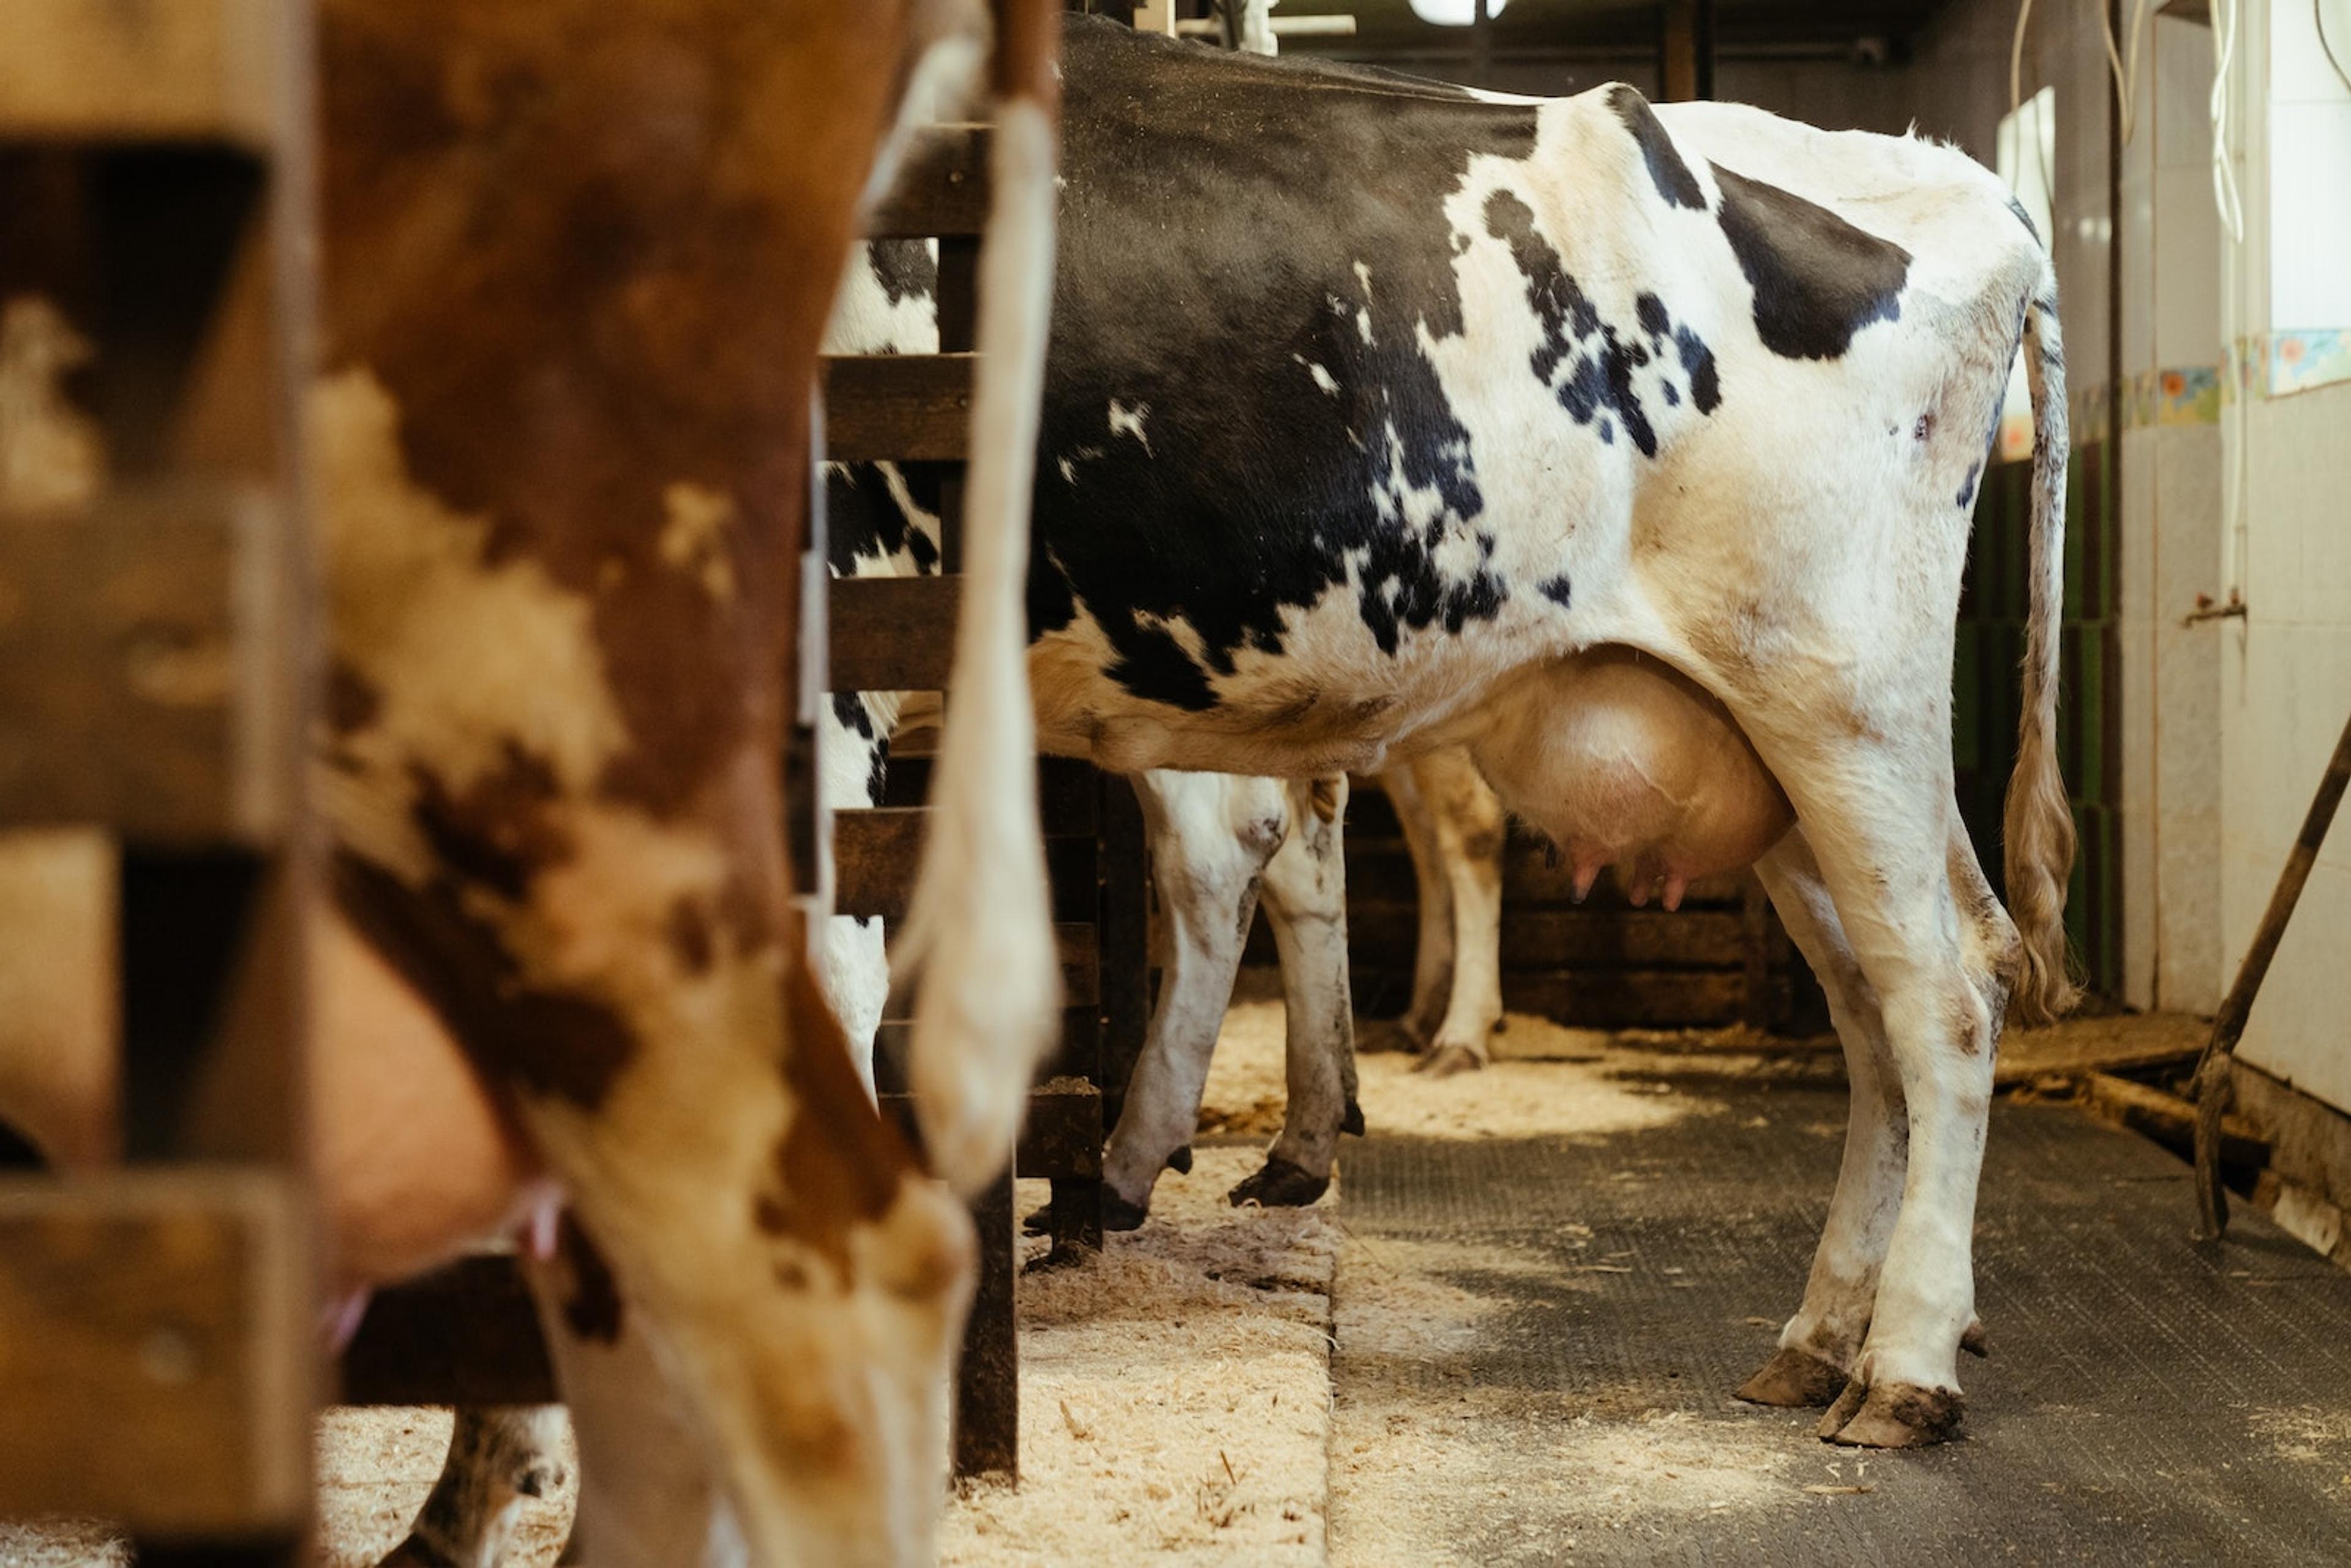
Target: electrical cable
[[2319, 26]]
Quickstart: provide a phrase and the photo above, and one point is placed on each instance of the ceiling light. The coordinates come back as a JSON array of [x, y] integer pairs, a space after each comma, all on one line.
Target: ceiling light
[[1454, 13]]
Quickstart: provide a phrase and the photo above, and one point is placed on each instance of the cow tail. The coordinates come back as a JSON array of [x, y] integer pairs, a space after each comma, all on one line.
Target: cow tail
[[2039, 826], [981, 925]]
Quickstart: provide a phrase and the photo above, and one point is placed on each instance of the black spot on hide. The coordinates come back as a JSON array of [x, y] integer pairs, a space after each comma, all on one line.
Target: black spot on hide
[[903, 269], [1674, 180], [850, 709], [1255, 499], [1817, 278], [864, 522], [1600, 363], [2025, 219]]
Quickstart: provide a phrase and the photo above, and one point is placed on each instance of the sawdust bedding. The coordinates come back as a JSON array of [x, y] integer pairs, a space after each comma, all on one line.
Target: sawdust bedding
[[1177, 1400], [1546, 1081], [1175, 1406]]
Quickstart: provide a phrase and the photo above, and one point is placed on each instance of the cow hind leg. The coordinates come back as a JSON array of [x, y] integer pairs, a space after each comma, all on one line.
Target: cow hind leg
[[1470, 831], [1940, 955], [499, 1457], [1432, 961], [1210, 836], [1819, 1345], [1306, 903]]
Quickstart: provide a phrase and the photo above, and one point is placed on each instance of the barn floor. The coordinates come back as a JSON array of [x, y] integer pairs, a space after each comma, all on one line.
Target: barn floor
[[1509, 1335], [1536, 1337]]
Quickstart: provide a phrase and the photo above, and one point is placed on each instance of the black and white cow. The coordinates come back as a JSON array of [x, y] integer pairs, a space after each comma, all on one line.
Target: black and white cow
[[1217, 842], [1634, 451]]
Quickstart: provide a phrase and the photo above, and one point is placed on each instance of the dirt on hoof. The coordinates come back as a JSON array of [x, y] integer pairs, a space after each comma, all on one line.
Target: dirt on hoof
[[1386, 1034], [1793, 1379], [1842, 1409], [1280, 1184], [1898, 1416], [1448, 1060]]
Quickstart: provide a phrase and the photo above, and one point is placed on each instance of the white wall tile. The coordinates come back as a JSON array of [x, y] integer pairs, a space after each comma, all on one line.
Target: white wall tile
[[2178, 88], [2186, 263], [2310, 196], [2298, 70]]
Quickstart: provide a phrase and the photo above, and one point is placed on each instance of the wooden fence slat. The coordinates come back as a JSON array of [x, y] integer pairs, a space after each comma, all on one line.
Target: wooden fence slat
[[1539, 938], [1062, 1136], [142, 662], [893, 633], [155, 1351], [1657, 999], [942, 186], [911, 408], [876, 852], [98, 69]]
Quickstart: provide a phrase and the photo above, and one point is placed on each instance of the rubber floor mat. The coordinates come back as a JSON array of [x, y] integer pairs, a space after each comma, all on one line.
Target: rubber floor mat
[[1538, 1338]]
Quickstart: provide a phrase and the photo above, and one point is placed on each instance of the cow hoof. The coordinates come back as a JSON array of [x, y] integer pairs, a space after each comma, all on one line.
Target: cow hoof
[[1973, 1342], [1180, 1161], [1793, 1379], [1387, 1034], [1038, 1221], [1120, 1215], [1280, 1184], [1893, 1416], [1448, 1060], [1353, 1122]]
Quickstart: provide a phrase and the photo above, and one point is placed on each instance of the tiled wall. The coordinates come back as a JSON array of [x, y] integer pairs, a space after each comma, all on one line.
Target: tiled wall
[[2168, 240], [2285, 668]]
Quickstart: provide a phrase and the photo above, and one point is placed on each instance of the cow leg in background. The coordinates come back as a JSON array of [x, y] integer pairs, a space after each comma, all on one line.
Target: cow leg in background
[[1211, 835], [1470, 831], [498, 1457], [1306, 905], [1432, 957], [1819, 1344]]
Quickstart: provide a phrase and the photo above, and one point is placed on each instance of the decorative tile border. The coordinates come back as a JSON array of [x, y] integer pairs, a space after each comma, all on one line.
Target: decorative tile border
[[2298, 361], [2176, 395], [2265, 365], [2279, 364]]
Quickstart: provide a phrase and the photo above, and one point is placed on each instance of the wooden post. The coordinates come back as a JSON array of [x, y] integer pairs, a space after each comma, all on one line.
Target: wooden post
[[157, 1364], [1686, 51]]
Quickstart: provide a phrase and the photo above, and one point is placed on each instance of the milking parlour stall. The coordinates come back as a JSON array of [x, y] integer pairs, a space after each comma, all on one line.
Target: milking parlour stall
[[986, 782]]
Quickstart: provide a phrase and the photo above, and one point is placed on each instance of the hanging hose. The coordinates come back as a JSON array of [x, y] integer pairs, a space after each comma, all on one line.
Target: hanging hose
[[2215, 1087]]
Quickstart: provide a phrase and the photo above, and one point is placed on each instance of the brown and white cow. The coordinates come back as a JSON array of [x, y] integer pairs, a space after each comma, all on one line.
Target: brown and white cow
[[577, 260]]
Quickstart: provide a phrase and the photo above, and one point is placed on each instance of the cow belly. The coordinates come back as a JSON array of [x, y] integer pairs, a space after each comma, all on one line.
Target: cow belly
[[414, 1159], [1626, 762]]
